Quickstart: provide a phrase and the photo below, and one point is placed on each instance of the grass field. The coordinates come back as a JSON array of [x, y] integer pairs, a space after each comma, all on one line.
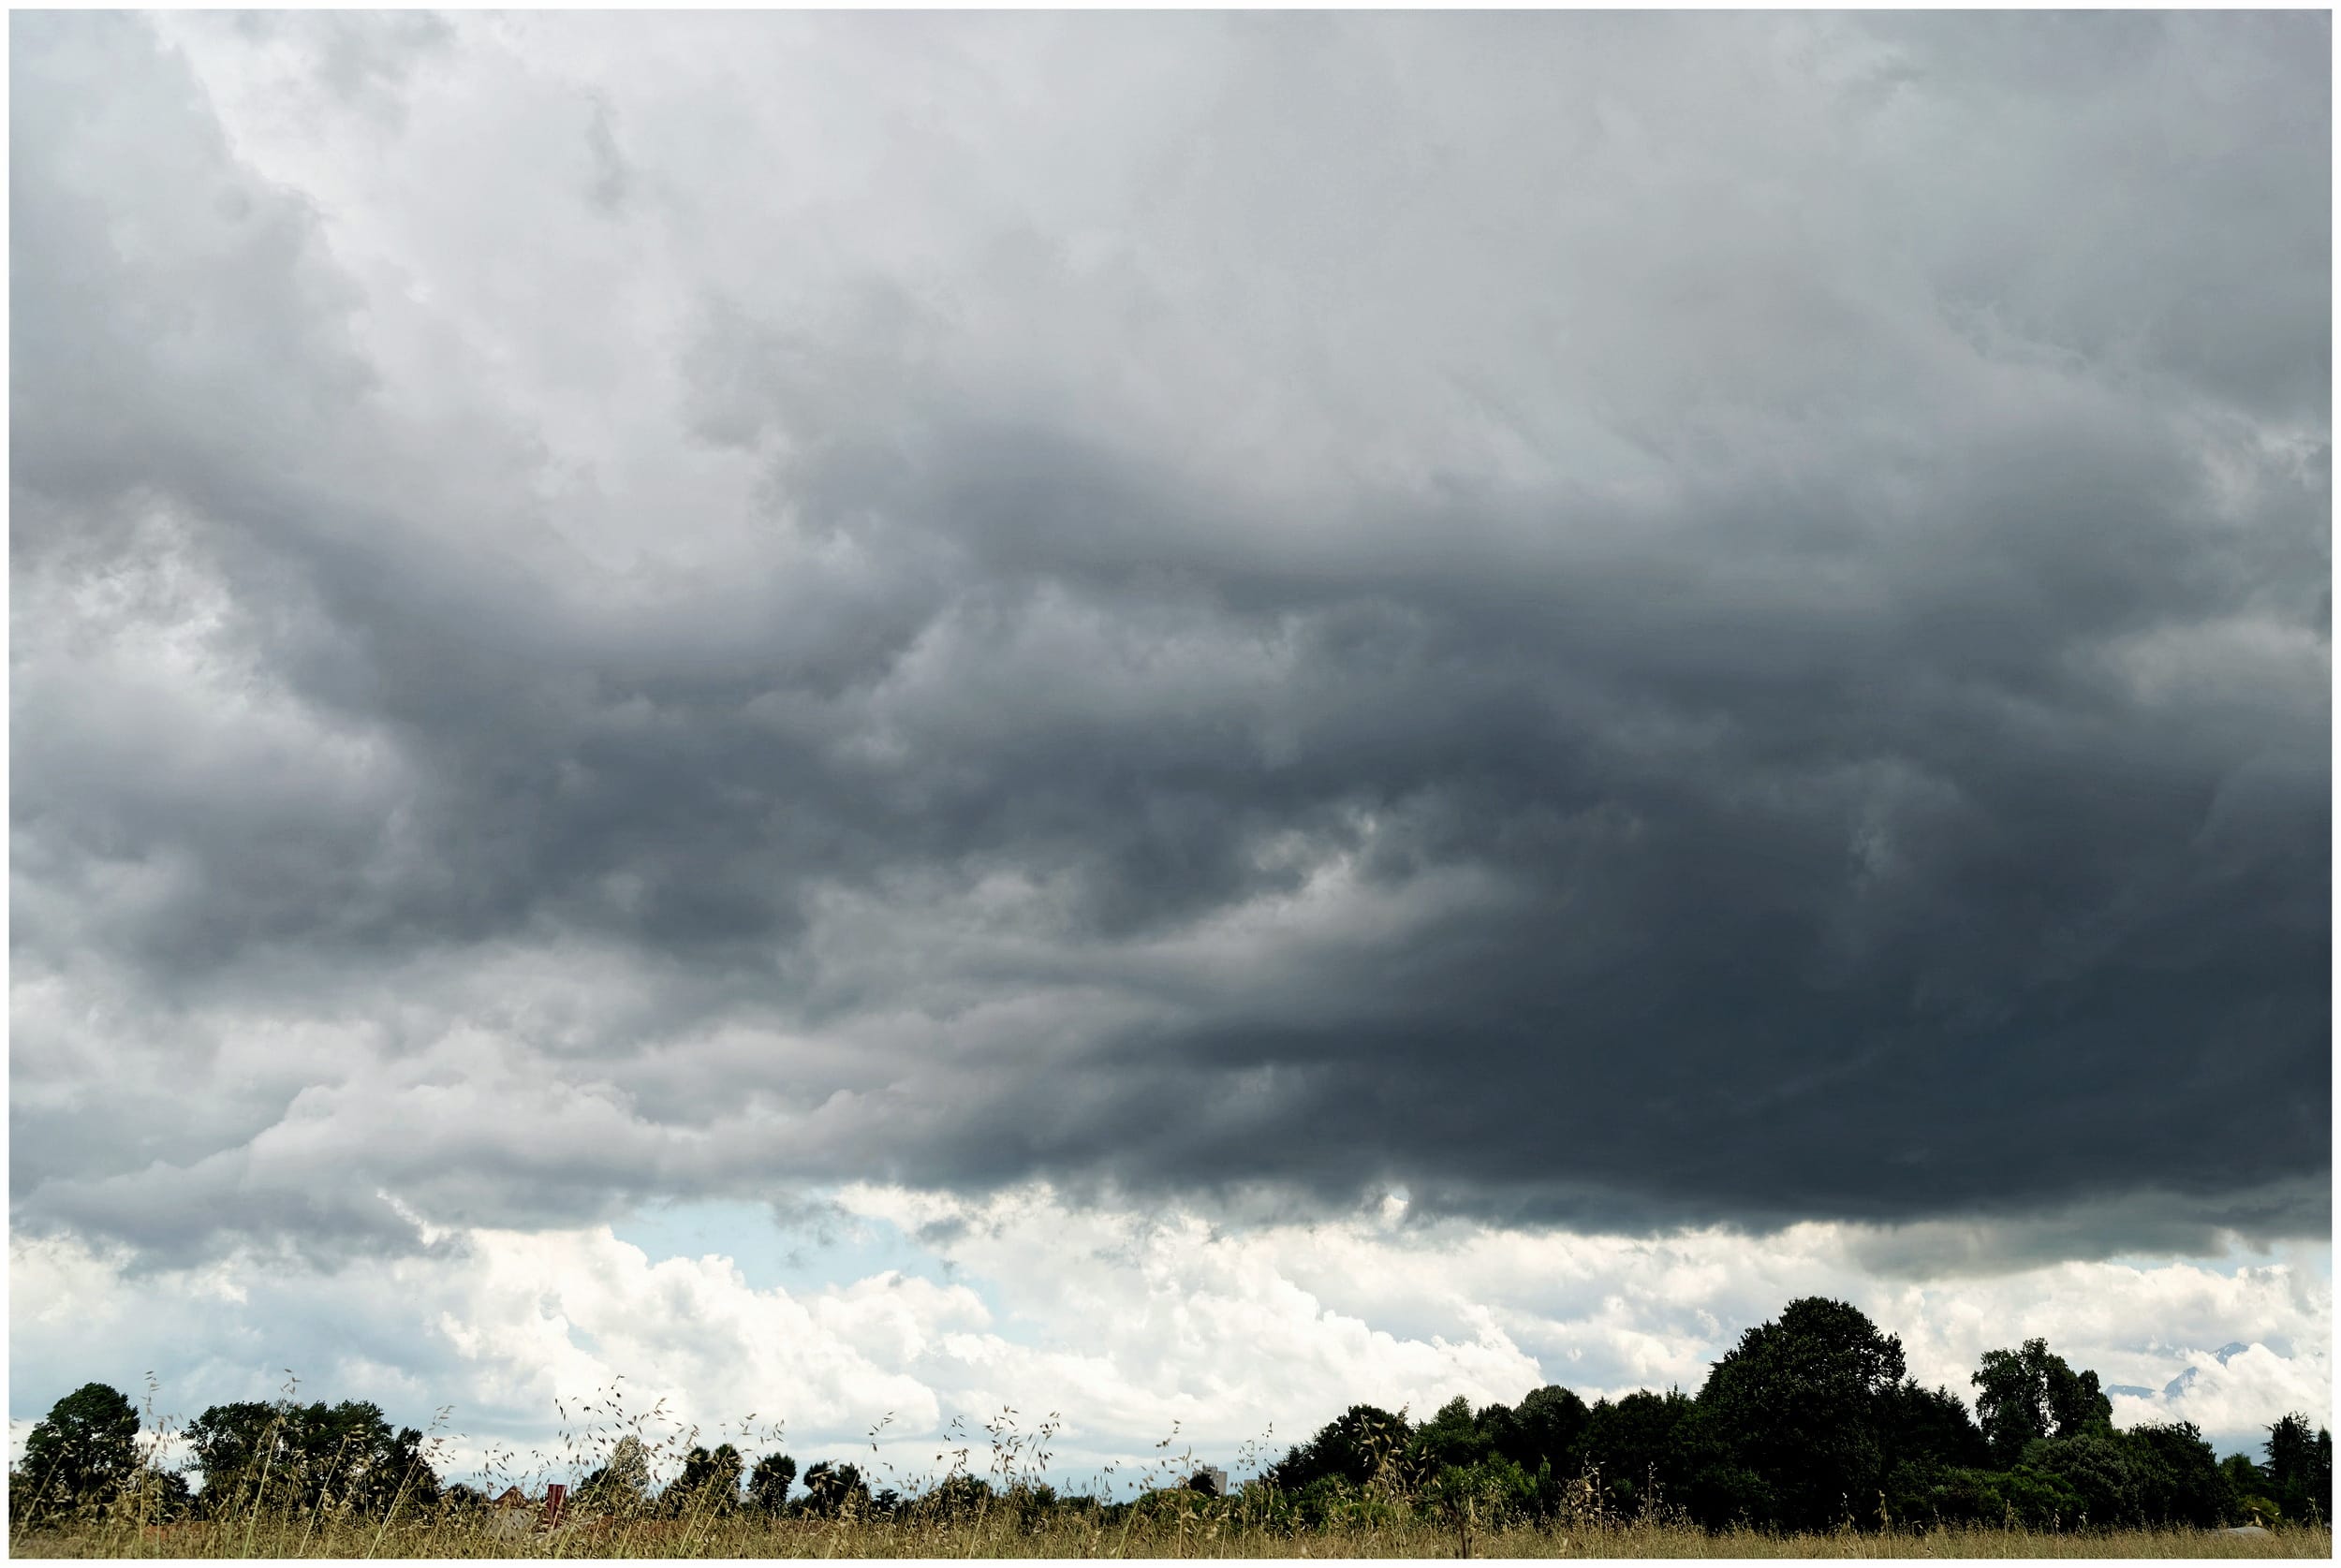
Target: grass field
[[1072, 1537]]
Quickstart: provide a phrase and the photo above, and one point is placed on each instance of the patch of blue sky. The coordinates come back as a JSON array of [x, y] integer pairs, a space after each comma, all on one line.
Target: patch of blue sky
[[2313, 1259], [824, 1249]]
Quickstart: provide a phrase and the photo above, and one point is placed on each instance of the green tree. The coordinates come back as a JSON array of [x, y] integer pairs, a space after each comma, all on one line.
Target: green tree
[[1928, 1438], [1354, 1447], [1930, 1426], [1484, 1493], [958, 1497], [1451, 1439], [2179, 1478], [1799, 1417], [2300, 1468], [2245, 1476], [85, 1449], [768, 1482], [235, 1447], [832, 1490], [304, 1458], [2100, 1469], [1549, 1428], [622, 1485], [2255, 1494], [1635, 1444], [709, 1483], [2028, 1394], [2029, 1496], [353, 1458]]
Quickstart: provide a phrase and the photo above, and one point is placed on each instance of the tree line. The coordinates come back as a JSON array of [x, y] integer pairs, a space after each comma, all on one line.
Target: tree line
[[1809, 1422]]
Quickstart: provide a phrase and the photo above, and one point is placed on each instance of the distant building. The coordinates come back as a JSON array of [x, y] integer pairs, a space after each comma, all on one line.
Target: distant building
[[1211, 1480], [515, 1513]]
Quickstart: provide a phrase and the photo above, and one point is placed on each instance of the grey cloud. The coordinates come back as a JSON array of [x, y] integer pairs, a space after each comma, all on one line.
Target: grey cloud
[[1661, 649]]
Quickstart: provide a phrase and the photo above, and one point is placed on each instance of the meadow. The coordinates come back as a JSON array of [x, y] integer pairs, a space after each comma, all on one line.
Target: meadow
[[1182, 1533]]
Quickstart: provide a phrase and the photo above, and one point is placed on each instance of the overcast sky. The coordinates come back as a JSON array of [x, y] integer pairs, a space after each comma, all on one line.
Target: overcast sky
[[1202, 715]]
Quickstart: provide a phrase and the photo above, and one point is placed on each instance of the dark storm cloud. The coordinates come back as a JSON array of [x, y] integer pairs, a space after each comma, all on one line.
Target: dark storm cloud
[[1740, 635]]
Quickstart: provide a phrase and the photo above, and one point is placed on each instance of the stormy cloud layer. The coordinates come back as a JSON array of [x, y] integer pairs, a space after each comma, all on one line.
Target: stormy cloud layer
[[1610, 619]]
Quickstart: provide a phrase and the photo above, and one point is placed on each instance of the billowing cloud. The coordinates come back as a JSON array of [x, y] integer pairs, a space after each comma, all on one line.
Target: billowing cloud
[[1619, 621]]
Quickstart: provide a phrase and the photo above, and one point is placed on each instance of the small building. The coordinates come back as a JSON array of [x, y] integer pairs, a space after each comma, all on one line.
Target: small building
[[1210, 1480], [515, 1513]]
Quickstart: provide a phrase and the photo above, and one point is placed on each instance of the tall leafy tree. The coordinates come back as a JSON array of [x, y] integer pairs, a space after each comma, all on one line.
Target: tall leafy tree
[[1800, 1411], [836, 1488], [309, 1456], [768, 1482], [710, 1482], [2179, 1478], [1452, 1438], [235, 1447], [1929, 1440], [2101, 1471], [1548, 1429], [1353, 1447], [621, 1485], [1930, 1426], [2027, 1394], [85, 1449], [2300, 1468], [1636, 1445]]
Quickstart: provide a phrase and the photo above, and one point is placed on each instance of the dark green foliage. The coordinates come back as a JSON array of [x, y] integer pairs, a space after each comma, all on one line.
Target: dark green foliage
[[2033, 1498], [710, 1484], [832, 1490], [2179, 1480], [1499, 1427], [768, 1482], [305, 1458], [1488, 1492], [2027, 1394], [1353, 1447], [1632, 1444], [1720, 1493], [167, 1497], [2149, 1476], [1927, 1494], [1797, 1423], [2248, 1478], [1032, 1502], [1501, 1462], [235, 1445], [1929, 1439], [2300, 1468], [1548, 1428], [1450, 1439], [621, 1486], [1930, 1426], [2254, 1493], [84, 1451], [2097, 1465], [1322, 1501], [462, 1501], [959, 1496]]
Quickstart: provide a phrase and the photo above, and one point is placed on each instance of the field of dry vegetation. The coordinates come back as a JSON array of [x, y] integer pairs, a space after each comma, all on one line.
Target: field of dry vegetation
[[1181, 1533]]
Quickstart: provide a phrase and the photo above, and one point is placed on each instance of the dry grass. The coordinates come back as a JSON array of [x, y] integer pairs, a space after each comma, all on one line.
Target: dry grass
[[1071, 1535]]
